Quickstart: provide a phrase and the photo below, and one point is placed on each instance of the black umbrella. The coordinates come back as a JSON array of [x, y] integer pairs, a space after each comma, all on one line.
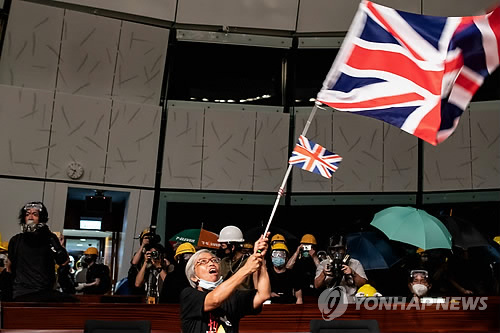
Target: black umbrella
[[464, 233], [371, 249]]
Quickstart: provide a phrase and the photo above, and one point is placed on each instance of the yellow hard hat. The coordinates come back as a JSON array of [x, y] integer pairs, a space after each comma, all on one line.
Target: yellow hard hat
[[4, 246], [497, 239], [420, 250], [367, 290], [144, 232], [184, 248], [278, 237], [247, 245], [279, 246], [91, 250], [308, 239]]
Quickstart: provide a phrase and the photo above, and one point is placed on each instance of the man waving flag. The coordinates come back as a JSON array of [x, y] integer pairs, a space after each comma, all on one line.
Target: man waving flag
[[413, 71]]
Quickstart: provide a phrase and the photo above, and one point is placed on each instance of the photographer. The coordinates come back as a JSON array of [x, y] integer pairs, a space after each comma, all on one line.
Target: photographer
[[339, 269], [147, 236], [152, 273], [33, 254], [304, 263]]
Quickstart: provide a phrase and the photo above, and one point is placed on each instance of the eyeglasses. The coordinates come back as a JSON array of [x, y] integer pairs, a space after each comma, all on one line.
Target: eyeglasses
[[213, 260]]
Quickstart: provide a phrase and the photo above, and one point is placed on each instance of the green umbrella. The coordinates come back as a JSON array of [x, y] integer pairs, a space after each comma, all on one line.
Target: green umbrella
[[413, 226], [187, 236]]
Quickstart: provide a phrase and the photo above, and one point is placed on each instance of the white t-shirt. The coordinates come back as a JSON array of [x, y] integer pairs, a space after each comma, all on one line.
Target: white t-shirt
[[355, 265]]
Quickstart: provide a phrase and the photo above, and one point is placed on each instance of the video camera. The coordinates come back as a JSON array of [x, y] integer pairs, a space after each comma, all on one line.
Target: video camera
[[150, 233]]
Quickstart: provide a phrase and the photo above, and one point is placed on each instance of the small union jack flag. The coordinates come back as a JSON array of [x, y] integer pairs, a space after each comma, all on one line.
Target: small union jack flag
[[310, 156]]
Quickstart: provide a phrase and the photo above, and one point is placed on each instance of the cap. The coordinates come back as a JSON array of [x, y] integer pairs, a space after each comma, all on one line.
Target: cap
[[279, 246], [184, 248], [308, 239], [91, 250]]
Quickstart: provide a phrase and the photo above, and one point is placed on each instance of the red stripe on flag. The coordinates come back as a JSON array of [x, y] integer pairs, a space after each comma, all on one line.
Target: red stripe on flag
[[377, 102], [392, 31], [454, 64], [314, 157], [398, 64], [429, 125], [467, 84]]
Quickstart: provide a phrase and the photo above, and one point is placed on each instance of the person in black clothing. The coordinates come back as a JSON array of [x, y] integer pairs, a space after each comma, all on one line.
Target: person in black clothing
[[33, 255], [211, 305], [5, 280], [304, 263], [176, 280], [98, 277], [285, 288]]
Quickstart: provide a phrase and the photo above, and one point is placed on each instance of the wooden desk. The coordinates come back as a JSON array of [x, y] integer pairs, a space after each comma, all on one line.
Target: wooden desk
[[274, 318]]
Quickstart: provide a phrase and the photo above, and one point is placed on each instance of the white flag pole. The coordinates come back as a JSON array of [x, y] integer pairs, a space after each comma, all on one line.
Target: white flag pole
[[281, 190]]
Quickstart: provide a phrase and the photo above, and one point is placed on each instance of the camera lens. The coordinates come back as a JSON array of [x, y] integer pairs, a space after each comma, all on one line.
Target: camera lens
[[154, 254]]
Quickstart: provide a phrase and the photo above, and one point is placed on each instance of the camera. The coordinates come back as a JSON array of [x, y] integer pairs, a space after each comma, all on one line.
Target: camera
[[155, 255], [336, 263], [307, 247], [151, 235]]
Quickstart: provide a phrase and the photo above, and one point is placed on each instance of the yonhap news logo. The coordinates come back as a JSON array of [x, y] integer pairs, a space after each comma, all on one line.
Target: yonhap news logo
[[332, 303]]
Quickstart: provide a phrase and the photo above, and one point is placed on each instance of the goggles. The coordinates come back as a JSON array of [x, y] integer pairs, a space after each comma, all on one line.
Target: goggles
[[33, 206], [419, 271], [278, 254]]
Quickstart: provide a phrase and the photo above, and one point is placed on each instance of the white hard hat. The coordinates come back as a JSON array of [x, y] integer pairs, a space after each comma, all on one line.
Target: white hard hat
[[230, 234]]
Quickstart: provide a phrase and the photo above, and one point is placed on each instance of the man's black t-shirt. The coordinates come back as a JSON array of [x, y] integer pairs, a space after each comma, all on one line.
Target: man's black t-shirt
[[33, 263], [173, 284], [284, 285], [195, 320], [101, 272]]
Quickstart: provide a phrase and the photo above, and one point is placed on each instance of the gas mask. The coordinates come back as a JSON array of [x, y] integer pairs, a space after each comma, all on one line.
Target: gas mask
[[31, 226], [419, 289], [221, 252]]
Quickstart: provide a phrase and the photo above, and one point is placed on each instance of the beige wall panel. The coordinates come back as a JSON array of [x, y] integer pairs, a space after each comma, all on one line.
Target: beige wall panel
[[325, 15], [141, 62], [158, 9], [485, 141], [271, 150], [457, 7], [337, 15], [183, 153], [79, 133], [54, 198], [133, 144], [30, 51], [14, 195], [400, 160], [25, 116], [228, 149], [88, 51], [320, 131], [358, 140], [260, 14], [448, 165]]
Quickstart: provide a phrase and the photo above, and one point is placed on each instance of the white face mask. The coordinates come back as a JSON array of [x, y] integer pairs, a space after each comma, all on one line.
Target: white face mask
[[419, 289], [209, 285]]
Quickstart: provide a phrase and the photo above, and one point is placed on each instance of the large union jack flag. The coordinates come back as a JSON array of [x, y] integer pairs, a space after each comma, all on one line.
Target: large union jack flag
[[310, 156], [413, 71]]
